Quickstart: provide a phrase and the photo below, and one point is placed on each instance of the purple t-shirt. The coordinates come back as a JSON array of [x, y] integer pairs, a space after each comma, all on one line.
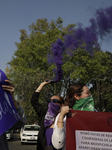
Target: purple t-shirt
[[48, 133]]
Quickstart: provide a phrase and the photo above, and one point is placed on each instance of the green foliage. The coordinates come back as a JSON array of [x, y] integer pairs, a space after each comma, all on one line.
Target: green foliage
[[29, 67], [103, 86], [81, 67]]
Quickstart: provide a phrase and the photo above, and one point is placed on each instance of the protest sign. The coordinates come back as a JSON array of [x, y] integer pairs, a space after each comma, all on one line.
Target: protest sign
[[87, 130], [8, 113]]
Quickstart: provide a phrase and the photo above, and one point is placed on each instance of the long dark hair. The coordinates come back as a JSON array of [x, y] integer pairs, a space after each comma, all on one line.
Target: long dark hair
[[61, 99], [77, 88]]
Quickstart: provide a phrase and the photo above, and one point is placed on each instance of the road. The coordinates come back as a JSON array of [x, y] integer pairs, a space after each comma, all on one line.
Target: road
[[15, 144]]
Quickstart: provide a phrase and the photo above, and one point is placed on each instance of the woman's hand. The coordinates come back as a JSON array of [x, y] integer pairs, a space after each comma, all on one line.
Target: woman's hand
[[42, 85], [9, 87], [64, 111], [45, 83]]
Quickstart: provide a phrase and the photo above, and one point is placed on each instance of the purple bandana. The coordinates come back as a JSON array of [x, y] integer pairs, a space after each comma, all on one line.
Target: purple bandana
[[52, 111]]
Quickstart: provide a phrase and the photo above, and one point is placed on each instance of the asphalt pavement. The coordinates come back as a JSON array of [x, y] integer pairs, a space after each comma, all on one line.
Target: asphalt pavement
[[15, 144]]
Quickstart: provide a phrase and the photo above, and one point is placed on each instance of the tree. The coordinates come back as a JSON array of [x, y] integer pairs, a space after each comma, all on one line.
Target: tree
[[82, 67], [102, 86], [29, 65]]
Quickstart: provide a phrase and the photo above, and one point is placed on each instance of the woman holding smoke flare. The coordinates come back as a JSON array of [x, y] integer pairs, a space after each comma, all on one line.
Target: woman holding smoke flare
[[47, 117], [79, 98]]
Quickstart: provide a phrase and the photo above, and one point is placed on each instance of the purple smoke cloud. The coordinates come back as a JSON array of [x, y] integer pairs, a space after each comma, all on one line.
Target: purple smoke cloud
[[86, 38], [57, 51], [104, 21], [80, 37]]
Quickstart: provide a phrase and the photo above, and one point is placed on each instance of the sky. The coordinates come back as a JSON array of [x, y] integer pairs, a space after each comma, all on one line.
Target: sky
[[19, 14]]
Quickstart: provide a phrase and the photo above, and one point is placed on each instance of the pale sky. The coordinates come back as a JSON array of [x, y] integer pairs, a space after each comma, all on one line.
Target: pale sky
[[19, 14]]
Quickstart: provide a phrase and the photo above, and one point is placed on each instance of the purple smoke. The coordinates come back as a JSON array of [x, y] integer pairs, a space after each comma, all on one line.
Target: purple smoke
[[104, 21], [70, 43], [100, 26], [57, 51], [80, 37]]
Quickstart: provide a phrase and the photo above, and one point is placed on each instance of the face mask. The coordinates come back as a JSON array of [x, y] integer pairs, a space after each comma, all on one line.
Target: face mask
[[86, 104], [52, 111]]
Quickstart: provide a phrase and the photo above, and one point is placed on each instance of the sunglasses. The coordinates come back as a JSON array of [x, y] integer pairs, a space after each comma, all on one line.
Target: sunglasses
[[54, 100]]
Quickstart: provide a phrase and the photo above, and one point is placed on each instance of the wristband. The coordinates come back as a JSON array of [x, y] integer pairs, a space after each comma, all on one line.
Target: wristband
[[60, 121]]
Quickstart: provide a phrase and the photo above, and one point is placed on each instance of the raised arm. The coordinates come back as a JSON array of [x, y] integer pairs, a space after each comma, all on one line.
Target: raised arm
[[42, 85], [59, 131], [35, 97]]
